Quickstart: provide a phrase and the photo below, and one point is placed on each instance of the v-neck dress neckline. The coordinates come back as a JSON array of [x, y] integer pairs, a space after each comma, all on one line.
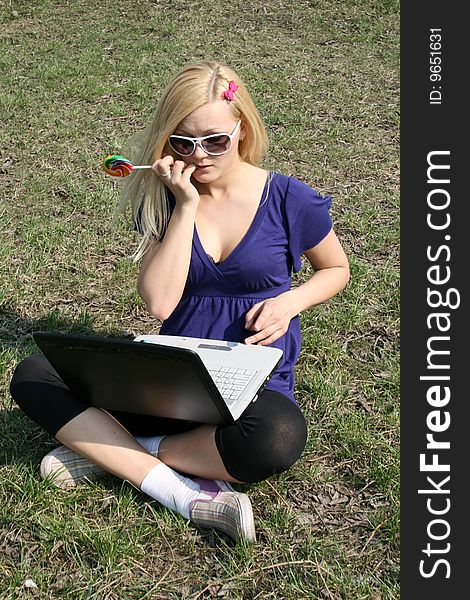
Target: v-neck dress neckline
[[260, 211]]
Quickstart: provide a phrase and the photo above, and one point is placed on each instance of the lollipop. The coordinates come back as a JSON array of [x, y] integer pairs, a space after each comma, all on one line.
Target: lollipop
[[118, 166]]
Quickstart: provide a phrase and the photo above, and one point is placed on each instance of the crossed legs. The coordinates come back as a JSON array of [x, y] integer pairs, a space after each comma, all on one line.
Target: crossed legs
[[193, 463], [96, 435], [267, 439]]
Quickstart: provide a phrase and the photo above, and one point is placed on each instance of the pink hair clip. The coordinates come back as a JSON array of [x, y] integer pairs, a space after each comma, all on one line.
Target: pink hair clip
[[229, 93]]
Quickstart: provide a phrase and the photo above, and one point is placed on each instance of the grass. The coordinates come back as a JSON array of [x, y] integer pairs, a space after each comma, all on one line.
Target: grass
[[76, 80]]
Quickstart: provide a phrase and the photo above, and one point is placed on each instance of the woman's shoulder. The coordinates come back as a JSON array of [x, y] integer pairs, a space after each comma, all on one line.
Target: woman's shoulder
[[294, 195], [291, 187], [292, 183], [302, 212]]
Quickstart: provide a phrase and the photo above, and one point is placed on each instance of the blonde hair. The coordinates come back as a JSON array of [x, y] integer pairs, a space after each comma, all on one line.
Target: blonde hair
[[192, 87]]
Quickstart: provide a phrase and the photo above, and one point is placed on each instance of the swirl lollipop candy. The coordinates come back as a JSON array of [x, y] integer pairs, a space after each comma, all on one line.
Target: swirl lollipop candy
[[118, 166]]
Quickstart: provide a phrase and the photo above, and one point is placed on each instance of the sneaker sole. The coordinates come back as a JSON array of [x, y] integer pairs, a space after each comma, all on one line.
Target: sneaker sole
[[247, 520]]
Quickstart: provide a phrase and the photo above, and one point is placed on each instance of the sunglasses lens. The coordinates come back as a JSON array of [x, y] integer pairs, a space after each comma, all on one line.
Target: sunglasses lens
[[181, 145], [216, 144]]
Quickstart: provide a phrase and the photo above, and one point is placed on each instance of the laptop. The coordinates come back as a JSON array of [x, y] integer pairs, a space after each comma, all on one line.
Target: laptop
[[195, 379]]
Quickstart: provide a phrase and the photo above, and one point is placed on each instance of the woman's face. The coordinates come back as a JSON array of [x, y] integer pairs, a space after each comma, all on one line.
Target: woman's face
[[212, 118]]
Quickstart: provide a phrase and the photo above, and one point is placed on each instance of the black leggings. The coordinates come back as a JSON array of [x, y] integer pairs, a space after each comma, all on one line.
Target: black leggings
[[266, 439]]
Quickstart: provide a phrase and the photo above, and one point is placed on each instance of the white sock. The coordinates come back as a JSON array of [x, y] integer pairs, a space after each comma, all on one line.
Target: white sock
[[151, 444], [171, 489]]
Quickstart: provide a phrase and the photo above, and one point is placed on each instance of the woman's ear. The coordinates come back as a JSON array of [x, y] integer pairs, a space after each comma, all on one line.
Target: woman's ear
[[243, 131]]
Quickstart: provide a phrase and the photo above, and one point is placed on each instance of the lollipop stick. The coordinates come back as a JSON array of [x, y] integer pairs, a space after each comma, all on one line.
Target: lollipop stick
[[141, 166]]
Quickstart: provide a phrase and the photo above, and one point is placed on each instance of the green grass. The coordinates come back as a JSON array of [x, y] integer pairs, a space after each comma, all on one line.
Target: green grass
[[76, 80]]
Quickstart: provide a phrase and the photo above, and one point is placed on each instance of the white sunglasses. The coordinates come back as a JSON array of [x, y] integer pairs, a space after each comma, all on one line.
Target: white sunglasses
[[214, 144]]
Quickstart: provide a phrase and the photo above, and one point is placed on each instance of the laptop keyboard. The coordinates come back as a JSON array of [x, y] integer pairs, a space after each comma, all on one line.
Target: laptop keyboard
[[231, 381]]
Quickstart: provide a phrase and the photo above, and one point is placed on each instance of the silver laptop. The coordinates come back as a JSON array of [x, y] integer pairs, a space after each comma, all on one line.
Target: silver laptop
[[238, 370], [196, 379]]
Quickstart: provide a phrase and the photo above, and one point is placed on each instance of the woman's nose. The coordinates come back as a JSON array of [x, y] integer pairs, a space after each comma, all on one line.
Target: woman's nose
[[199, 151]]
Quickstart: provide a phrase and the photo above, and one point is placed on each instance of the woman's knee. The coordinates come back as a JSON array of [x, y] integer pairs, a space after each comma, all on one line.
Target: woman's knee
[[284, 438], [265, 442], [41, 394], [27, 374]]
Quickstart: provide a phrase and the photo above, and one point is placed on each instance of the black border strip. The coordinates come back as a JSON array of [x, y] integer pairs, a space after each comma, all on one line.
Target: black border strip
[[434, 293]]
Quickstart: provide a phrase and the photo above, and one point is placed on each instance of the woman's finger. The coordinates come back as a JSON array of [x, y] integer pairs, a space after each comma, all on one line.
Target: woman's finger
[[252, 314], [163, 166], [263, 334], [262, 320], [188, 172], [178, 167], [272, 338]]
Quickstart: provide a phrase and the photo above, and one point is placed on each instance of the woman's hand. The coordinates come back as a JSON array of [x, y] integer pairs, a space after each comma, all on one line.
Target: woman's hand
[[176, 175], [269, 319]]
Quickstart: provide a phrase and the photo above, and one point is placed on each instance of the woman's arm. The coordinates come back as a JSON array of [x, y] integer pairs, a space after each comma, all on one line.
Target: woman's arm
[[164, 268], [270, 319], [331, 275]]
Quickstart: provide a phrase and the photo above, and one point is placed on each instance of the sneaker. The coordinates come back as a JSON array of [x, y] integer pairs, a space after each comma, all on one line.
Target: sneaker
[[67, 469], [227, 510]]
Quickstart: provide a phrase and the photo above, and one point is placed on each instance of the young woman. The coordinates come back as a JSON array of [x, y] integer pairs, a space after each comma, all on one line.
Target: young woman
[[221, 237]]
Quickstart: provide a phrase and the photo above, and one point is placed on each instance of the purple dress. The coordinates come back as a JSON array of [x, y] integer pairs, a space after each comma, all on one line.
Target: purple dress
[[290, 219]]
